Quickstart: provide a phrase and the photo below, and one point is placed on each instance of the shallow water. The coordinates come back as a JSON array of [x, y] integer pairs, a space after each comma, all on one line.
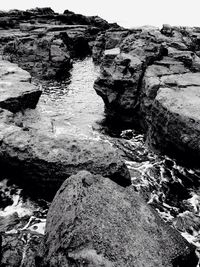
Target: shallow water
[[70, 107], [73, 107]]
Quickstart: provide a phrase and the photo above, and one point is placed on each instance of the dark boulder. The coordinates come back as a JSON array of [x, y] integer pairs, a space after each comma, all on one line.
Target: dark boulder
[[92, 221]]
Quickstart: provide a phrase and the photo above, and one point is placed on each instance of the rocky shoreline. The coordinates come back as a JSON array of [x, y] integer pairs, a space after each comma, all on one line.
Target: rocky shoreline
[[148, 78], [152, 83]]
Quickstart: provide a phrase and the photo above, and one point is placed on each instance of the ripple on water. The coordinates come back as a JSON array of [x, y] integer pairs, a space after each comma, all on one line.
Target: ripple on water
[[173, 190], [71, 107]]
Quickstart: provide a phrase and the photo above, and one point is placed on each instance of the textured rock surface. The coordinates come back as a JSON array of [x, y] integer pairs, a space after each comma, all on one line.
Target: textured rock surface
[[13, 18], [16, 91], [45, 57], [17, 251], [92, 221], [154, 84], [46, 160], [175, 119], [108, 40], [43, 42]]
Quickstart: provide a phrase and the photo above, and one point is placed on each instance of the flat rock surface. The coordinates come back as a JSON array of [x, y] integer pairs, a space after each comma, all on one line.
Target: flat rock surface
[[92, 221], [46, 160], [10, 71], [16, 91]]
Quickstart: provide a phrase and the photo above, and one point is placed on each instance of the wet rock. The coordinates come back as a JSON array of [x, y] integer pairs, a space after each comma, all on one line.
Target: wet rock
[[93, 221], [44, 161]]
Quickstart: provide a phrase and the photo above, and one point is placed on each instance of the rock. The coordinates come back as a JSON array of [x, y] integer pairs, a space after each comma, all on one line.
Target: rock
[[18, 250], [43, 57], [11, 251], [8, 222], [110, 39], [9, 35], [77, 43], [44, 160], [11, 72], [41, 11], [95, 21], [18, 96], [175, 123], [36, 40], [92, 221], [169, 108], [118, 85], [153, 84], [17, 93], [98, 48]]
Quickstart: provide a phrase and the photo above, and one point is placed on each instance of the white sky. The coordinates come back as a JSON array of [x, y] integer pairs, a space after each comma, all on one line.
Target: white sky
[[127, 13]]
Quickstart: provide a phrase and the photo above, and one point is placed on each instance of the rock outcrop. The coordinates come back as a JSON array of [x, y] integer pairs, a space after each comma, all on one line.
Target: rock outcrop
[[106, 41], [17, 93], [45, 57], [44, 42], [153, 84], [13, 18], [40, 157], [45, 160], [93, 221], [175, 117]]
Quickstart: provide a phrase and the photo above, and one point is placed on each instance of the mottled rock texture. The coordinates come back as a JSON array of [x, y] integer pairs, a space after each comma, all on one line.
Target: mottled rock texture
[[92, 221], [154, 84]]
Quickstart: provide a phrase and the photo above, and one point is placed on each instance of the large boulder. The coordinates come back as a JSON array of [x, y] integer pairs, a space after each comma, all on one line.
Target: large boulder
[[17, 93], [92, 221], [42, 160]]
